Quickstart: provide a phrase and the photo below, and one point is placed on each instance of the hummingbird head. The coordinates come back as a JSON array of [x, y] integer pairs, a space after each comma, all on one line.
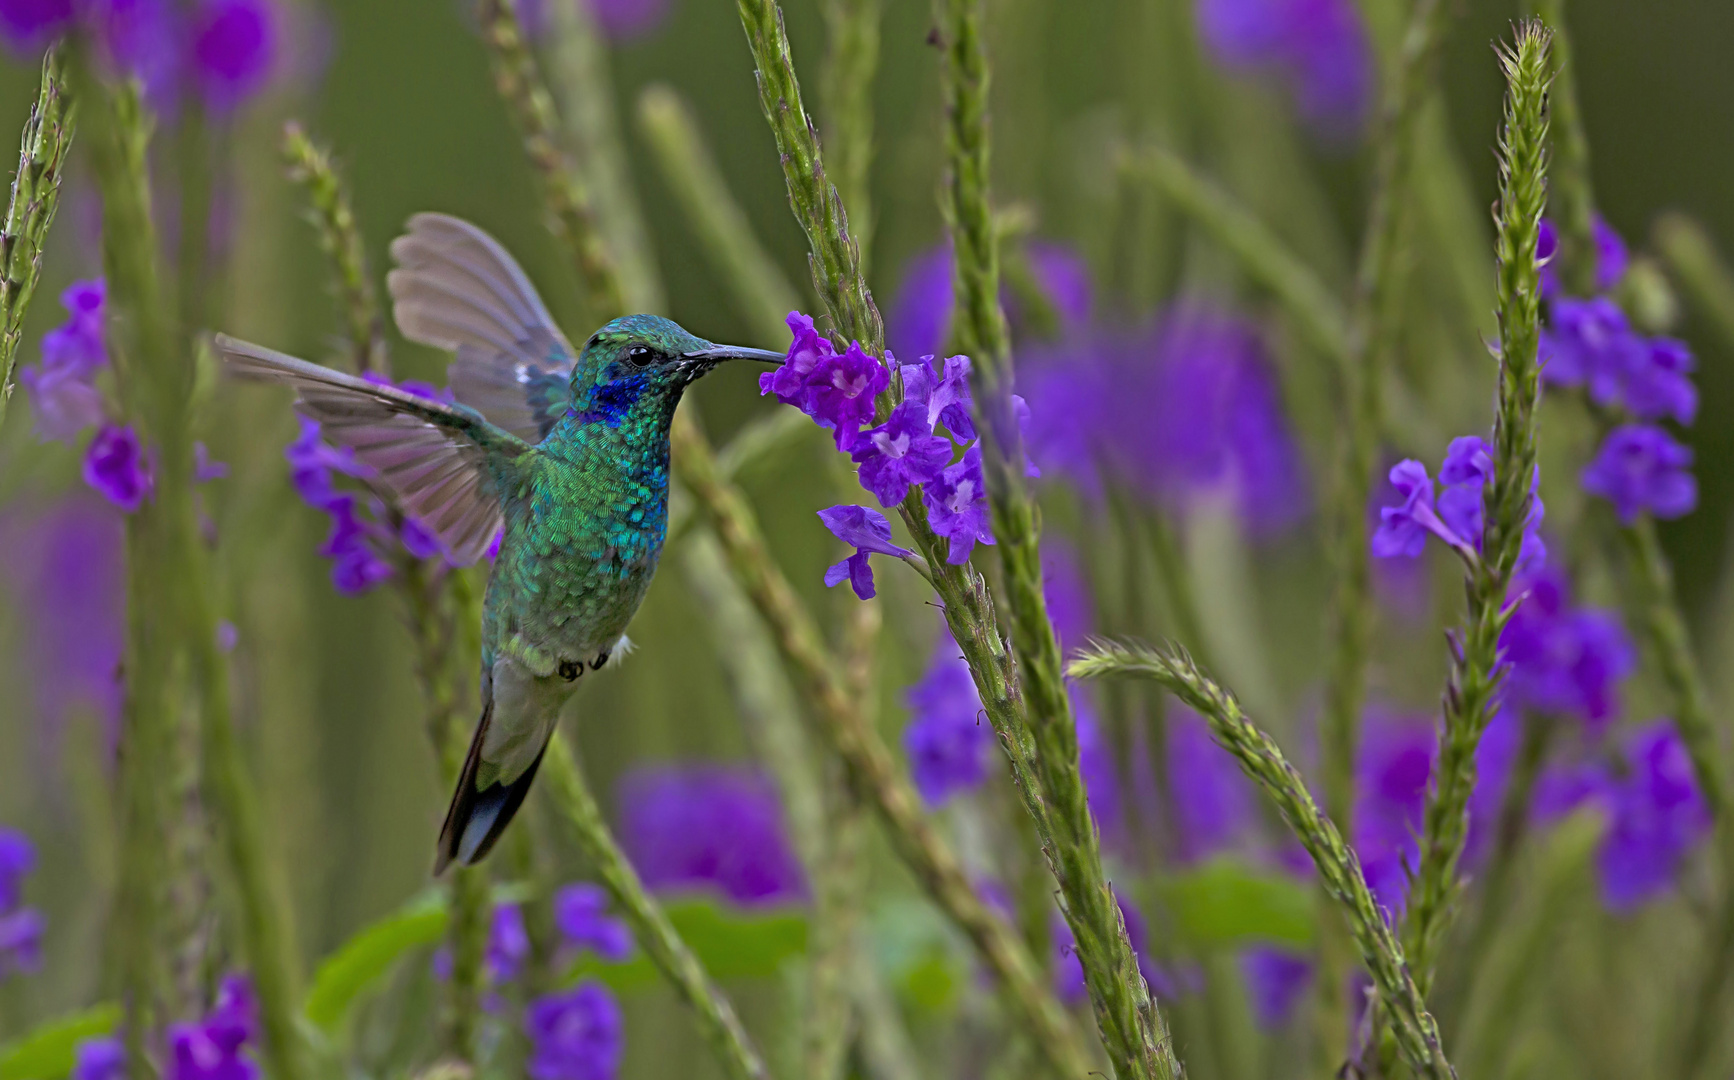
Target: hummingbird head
[[640, 356]]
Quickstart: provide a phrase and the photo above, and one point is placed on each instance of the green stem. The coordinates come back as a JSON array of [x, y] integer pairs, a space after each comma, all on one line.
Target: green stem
[[1471, 693], [572, 215], [836, 257], [35, 196], [762, 293], [650, 926], [1132, 1027], [1571, 195], [340, 238], [1339, 870], [824, 686], [1692, 257], [585, 93], [846, 93]]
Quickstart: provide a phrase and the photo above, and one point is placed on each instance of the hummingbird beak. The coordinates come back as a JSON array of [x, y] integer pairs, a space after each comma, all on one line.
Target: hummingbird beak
[[716, 354]]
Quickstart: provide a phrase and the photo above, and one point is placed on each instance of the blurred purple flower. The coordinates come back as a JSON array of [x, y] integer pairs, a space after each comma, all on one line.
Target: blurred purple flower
[[1069, 970], [64, 399], [900, 452], [101, 1058], [1067, 593], [1610, 253], [581, 916], [115, 467], [713, 827], [206, 469], [419, 540], [575, 1034], [1659, 385], [1096, 764], [20, 942], [919, 319], [1391, 771], [1319, 48], [65, 567], [17, 860], [1213, 802], [27, 26], [216, 1048], [1590, 344], [508, 943], [143, 38], [1564, 660], [1456, 516], [620, 20], [867, 531], [1275, 979], [957, 507], [234, 46], [1640, 468], [948, 741], [1403, 529], [1657, 816], [312, 463]]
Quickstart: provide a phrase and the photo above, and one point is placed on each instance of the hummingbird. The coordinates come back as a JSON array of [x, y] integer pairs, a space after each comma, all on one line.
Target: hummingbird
[[561, 453]]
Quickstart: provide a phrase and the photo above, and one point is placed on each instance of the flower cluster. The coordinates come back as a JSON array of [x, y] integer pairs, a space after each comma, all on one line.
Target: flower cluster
[[225, 51], [1564, 661], [621, 20], [1185, 412], [1591, 347], [1318, 48], [20, 927], [714, 828], [839, 391], [1456, 516], [576, 1034], [921, 311], [216, 1047], [365, 537]]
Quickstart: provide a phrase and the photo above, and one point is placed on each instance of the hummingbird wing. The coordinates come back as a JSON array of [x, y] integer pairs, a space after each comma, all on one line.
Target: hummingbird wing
[[456, 288], [440, 461]]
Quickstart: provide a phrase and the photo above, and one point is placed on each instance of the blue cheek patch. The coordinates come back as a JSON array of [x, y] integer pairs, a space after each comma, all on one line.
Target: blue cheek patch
[[610, 402]]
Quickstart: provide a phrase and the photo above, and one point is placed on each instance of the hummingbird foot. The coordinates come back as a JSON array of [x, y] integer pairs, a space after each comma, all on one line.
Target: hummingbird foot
[[571, 669]]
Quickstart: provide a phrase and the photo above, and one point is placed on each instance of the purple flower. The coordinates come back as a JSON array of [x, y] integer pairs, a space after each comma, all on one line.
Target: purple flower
[[206, 469], [1391, 772], [867, 531], [1067, 593], [17, 860], [1610, 255], [101, 1058], [1064, 278], [115, 467], [1096, 765], [419, 540], [575, 1035], [508, 943], [957, 507], [1658, 383], [215, 1049], [1657, 817], [27, 26], [233, 50], [142, 38], [357, 570], [312, 462], [65, 568], [900, 452], [1319, 48], [948, 740], [1214, 805], [789, 381], [919, 319], [581, 916], [1275, 981], [63, 396], [945, 393], [1564, 660], [20, 941], [842, 390], [713, 827], [1456, 517], [1640, 468], [1590, 344], [1403, 529], [62, 403]]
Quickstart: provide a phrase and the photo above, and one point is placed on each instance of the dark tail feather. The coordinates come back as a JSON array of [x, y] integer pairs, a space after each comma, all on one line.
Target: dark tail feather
[[477, 818]]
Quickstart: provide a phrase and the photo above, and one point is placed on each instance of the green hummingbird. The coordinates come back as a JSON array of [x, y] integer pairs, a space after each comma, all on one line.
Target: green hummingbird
[[562, 454]]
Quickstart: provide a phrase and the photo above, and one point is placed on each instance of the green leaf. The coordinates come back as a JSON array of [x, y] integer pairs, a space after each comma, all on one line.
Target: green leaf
[[368, 955], [731, 944], [1227, 902], [48, 1052]]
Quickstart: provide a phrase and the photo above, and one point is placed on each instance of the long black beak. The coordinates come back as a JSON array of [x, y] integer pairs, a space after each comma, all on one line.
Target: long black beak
[[716, 354]]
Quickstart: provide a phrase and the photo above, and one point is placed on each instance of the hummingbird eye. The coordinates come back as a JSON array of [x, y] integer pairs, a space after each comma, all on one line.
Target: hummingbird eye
[[640, 356]]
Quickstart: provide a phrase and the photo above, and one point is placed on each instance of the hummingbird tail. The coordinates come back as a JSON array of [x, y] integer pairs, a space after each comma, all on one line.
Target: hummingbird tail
[[476, 818]]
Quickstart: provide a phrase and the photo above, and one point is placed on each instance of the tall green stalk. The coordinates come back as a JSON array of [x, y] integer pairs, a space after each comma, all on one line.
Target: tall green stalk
[[1338, 868], [35, 196], [1131, 1024], [340, 238], [1471, 693], [171, 621], [846, 94], [650, 926]]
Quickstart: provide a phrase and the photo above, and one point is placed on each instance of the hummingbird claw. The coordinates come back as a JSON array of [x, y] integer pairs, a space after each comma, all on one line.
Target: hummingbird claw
[[571, 669], [596, 664]]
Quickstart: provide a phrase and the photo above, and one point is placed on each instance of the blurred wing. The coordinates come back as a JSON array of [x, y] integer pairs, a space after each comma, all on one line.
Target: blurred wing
[[434, 457], [456, 288]]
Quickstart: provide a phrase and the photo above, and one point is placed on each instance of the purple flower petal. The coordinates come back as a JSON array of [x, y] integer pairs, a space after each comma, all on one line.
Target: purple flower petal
[[115, 467], [901, 452], [957, 507], [101, 1058], [581, 916], [234, 49], [712, 827], [577, 1034], [1641, 468], [948, 741]]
